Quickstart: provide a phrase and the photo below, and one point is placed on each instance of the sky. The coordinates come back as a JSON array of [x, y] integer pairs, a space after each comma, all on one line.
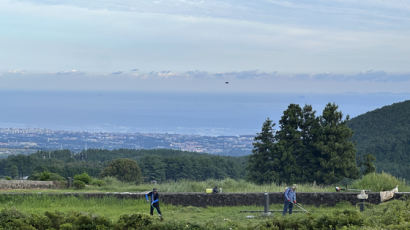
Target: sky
[[287, 36], [305, 51]]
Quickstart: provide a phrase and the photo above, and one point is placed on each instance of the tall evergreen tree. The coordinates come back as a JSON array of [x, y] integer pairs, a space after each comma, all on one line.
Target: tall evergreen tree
[[368, 163], [337, 153], [310, 131], [260, 165], [290, 146]]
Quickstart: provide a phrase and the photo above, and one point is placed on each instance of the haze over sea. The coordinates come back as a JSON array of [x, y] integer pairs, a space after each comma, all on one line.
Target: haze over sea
[[168, 112]]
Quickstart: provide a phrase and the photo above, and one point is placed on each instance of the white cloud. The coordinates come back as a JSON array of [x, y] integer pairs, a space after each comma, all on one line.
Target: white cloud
[[286, 36]]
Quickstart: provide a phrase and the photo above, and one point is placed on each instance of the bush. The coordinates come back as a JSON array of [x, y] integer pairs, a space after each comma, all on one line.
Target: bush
[[377, 182], [98, 183], [13, 219], [46, 176], [335, 220], [134, 221], [84, 177], [78, 184], [77, 220]]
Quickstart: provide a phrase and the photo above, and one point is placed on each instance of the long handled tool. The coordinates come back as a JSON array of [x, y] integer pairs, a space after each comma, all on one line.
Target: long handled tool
[[299, 206]]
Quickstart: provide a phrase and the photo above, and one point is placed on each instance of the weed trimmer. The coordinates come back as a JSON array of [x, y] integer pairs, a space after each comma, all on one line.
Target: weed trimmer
[[299, 206]]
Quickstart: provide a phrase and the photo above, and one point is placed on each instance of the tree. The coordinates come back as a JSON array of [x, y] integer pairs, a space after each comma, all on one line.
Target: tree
[[153, 168], [124, 170], [290, 146], [337, 157], [368, 164], [310, 131], [14, 172], [260, 167]]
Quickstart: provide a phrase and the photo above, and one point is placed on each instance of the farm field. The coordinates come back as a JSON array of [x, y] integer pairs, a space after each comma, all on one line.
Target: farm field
[[394, 214]]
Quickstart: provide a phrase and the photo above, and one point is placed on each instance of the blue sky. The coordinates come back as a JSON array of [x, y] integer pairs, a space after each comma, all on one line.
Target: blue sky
[[272, 45]]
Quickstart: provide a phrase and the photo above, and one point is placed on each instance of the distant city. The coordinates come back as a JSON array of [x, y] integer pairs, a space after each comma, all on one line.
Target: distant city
[[26, 141]]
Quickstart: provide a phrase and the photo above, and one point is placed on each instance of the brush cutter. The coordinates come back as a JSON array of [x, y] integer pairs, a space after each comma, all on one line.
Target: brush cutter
[[299, 206]]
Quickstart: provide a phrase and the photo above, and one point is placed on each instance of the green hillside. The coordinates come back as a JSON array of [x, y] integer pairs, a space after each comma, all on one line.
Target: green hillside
[[385, 133]]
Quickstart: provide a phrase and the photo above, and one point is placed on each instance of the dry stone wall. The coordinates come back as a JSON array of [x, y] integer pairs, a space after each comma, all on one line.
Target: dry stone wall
[[27, 184], [235, 199]]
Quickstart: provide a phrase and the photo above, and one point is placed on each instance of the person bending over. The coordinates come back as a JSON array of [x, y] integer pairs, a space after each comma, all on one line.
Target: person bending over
[[154, 197]]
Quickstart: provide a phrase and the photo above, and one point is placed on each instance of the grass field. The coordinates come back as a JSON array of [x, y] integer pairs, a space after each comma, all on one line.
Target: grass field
[[395, 213], [113, 208]]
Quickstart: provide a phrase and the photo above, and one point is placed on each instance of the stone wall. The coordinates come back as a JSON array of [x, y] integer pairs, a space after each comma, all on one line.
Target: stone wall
[[27, 184], [237, 199]]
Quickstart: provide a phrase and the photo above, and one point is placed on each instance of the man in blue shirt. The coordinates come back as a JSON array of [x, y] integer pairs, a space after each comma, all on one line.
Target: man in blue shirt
[[154, 196], [290, 199]]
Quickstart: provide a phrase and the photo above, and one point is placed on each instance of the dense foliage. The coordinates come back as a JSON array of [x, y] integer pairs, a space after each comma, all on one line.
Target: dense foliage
[[306, 148], [124, 170], [160, 164], [385, 133]]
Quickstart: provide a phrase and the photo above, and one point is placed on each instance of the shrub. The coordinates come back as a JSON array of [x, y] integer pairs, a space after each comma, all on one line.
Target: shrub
[[79, 184], [134, 221], [13, 219], [88, 221], [46, 176], [377, 182], [98, 183], [8, 178], [39, 221], [84, 177], [56, 218], [335, 220]]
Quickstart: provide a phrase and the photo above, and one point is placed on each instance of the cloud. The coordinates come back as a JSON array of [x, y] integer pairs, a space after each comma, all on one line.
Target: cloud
[[252, 81], [105, 36]]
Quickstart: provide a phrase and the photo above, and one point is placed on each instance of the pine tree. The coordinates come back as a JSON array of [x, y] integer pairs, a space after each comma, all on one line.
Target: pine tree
[[260, 165], [290, 146], [368, 164], [337, 158], [310, 130]]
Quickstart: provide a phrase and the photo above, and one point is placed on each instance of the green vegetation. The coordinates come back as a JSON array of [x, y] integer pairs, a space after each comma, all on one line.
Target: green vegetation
[[46, 176], [306, 148], [374, 182], [124, 170], [42, 212], [385, 133], [160, 165], [377, 182]]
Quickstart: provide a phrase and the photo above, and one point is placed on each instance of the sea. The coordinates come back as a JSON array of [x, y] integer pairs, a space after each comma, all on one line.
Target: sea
[[209, 114]]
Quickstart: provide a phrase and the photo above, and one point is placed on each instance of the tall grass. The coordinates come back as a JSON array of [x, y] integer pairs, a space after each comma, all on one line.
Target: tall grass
[[377, 182], [374, 182], [234, 186]]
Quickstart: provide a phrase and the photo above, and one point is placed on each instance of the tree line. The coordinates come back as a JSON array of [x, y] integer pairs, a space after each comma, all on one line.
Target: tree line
[[159, 165]]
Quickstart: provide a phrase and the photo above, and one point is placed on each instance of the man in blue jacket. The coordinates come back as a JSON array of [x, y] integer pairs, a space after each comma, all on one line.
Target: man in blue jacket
[[154, 196], [290, 199]]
